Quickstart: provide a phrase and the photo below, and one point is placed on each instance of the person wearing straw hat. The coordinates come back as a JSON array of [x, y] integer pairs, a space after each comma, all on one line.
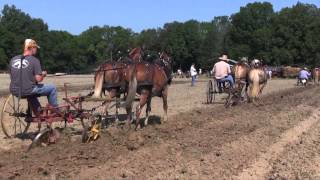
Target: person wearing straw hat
[[26, 74], [222, 71]]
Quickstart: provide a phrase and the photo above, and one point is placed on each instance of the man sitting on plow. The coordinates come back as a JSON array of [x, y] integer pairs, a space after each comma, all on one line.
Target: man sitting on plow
[[222, 72], [26, 75]]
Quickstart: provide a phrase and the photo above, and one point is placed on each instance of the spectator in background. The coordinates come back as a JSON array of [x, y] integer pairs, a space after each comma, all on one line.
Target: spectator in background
[[270, 73], [193, 73]]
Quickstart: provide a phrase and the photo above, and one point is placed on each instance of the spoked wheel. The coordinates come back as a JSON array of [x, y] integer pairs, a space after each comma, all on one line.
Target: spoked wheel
[[210, 92], [45, 137], [13, 116], [91, 128], [215, 90]]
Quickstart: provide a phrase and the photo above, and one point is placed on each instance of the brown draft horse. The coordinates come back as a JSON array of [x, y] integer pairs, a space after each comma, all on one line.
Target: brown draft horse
[[153, 79], [114, 77], [316, 75]]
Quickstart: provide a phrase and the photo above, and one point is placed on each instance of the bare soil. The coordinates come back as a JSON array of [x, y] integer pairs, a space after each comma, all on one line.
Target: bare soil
[[278, 139]]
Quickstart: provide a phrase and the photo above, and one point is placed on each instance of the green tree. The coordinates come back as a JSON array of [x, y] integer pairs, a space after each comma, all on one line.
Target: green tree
[[250, 31], [172, 41], [293, 28]]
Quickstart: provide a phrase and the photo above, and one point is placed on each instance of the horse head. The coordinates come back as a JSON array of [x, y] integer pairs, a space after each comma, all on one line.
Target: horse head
[[243, 61], [166, 63], [256, 63], [165, 59], [136, 54]]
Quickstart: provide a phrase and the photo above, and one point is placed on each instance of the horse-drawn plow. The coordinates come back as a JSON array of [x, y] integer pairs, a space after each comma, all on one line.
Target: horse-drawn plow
[[127, 78]]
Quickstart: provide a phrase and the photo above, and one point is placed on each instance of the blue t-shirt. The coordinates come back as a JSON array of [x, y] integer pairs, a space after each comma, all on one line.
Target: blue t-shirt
[[303, 74]]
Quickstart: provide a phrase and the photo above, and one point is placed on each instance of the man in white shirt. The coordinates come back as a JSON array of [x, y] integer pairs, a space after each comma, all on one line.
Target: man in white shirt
[[222, 71], [193, 73]]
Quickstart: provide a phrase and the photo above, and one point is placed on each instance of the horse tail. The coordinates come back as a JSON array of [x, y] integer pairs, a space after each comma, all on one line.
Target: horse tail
[[98, 83], [132, 89], [254, 78]]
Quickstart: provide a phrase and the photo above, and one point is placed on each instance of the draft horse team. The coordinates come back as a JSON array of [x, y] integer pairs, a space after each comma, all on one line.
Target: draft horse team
[[243, 83], [133, 76]]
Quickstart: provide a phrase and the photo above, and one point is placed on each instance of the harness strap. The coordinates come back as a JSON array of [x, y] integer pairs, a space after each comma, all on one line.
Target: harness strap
[[108, 69]]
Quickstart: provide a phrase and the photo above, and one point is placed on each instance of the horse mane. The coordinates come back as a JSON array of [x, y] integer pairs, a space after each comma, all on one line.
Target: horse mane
[[163, 61], [125, 60], [243, 63]]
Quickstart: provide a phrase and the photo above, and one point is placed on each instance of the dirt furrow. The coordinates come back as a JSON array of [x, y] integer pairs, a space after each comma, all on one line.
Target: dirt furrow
[[263, 164], [202, 144], [300, 159]]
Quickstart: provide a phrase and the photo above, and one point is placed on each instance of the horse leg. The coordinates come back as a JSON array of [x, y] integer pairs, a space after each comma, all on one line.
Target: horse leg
[[165, 103], [257, 99], [261, 88], [148, 110], [117, 109], [143, 100], [129, 116], [249, 89], [110, 95]]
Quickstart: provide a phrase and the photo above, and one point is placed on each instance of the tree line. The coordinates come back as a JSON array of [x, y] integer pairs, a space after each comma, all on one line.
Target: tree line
[[288, 37]]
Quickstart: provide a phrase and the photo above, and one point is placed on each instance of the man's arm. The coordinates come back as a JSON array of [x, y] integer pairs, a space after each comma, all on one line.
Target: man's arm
[[40, 77], [229, 69], [38, 73]]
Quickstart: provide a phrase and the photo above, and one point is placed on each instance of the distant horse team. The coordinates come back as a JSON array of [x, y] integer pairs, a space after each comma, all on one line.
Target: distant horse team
[[253, 77]]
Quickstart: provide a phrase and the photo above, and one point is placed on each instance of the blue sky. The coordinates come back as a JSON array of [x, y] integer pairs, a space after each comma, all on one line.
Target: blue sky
[[76, 16]]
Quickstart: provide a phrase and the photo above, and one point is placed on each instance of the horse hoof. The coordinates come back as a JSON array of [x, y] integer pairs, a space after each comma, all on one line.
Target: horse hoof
[[164, 119], [127, 127], [146, 122], [138, 127]]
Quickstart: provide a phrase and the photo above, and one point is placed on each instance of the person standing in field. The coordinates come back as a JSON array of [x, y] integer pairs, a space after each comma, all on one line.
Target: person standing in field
[[270, 74], [193, 73]]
